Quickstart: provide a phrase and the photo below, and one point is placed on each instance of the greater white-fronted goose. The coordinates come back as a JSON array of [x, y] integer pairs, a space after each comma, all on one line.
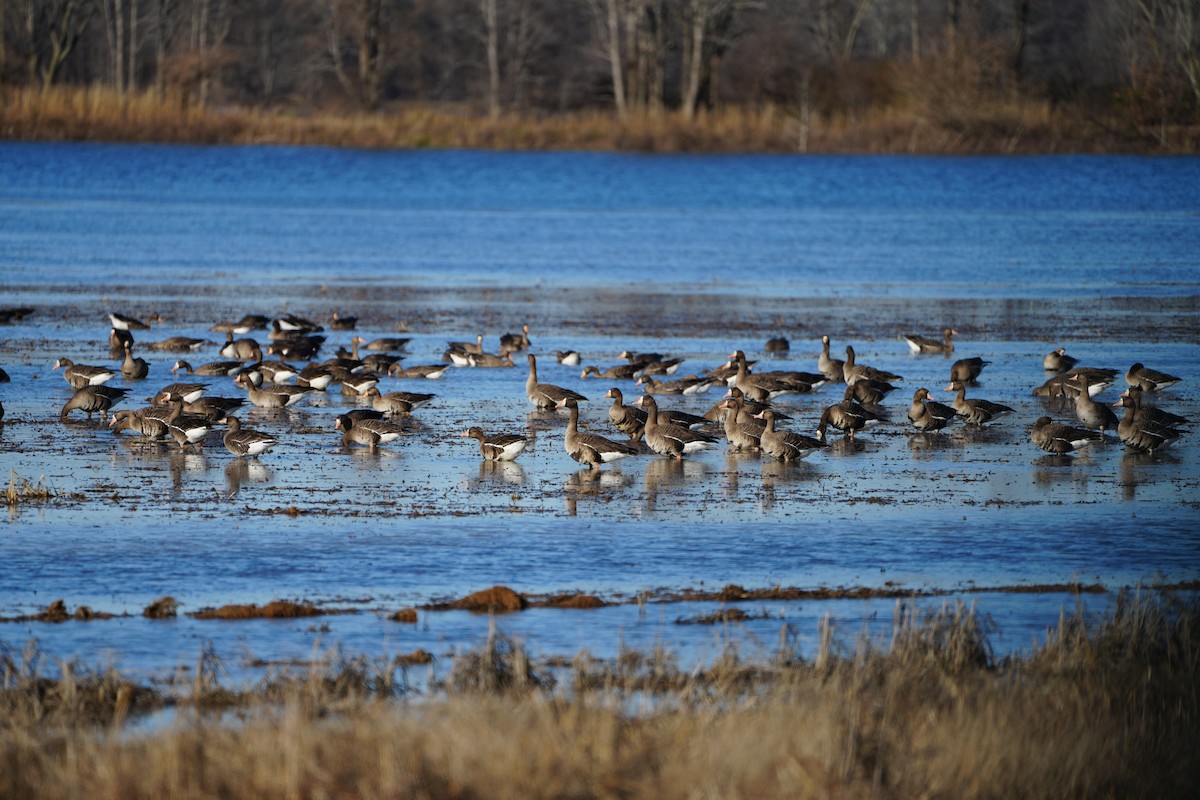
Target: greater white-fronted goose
[[626, 419], [489, 360], [619, 372], [745, 411], [271, 395], [134, 368], [244, 349], [268, 372], [301, 348], [249, 322], [975, 411], [688, 384], [853, 371], [1058, 361], [146, 422], [123, 322], [848, 416], [431, 372], [663, 366], [187, 392], [92, 399], [515, 341], [212, 368], [187, 428], [340, 322], [1054, 437], [246, 441], [358, 385], [867, 391], [755, 387], [80, 375], [214, 408], [832, 368], [546, 395], [966, 370], [12, 314], [641, 359], [924, 344], [568, 358], [385, 343], [498, 446], [1140, 432], [117, 339], [1063, 385], [928, 415], [668, 439], [315, 376], [4, 376], [590, 448], [741, 435], [178, 344], [1150, 413], [1149, 380], [292, 324], [777, 344], [370, 433], [785, 445], [1090, 413], [401, 403], [464, 348]]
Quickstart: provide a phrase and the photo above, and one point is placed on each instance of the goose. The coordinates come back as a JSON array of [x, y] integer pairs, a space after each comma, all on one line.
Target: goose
[[499, 446], [847, 416], [590, 448], [1054, 437], [923, 344], [4, 376], [1150, 413], [546, 395], [489, 360], [975, 411], [619, 372], [211, 368], [117, 339], [966, 370], [384, 343], [1093, 415], [249, 322], [290, 323], [134, 368], [148, 422], [401, 403], [867, 391], [465, 348], [343, 323], [741, 435], [92, 399], [641, 359], [516, 341], [833, 369], [80, 375], [187, 392], [1149, 380], [853, 371], [244, 349], [777, 344], [689, 385], [755, 387], [246, 441], [180, 344], [667, 438], [212, 408], [1139, 432], [663, 366], [187, 428], [785, 445], [359, 385], [370, 433], [629, 421], [1058, 361], [745, 411], [431, 372], [801, 382], [299, 348], [126, 323], [1063, 385], [568, 358], [315, 376], [927, 415], [271, 395]]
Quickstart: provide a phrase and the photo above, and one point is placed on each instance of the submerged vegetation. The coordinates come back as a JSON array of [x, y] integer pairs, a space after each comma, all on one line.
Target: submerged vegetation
[[1101, 708]]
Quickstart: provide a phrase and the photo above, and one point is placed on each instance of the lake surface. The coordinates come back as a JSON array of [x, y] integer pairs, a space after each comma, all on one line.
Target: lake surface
[[690, 256]]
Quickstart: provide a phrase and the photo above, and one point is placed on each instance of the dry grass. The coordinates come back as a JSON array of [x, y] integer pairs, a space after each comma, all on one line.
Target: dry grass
[[917, 123], [1106, 709], [22, 490]]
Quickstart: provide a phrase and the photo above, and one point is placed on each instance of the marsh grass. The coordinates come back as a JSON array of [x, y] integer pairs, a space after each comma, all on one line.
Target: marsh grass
[[1102, 708], [22, 490]]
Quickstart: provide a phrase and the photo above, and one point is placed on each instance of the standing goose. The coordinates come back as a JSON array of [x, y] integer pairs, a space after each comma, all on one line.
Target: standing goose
[[463, 349], [1064, 385], [590, 448], [867, 391], [848, 417], [1138, 432], [317, 377], [777, 344], [214, 409], [117, 339], [1093, 415], [498, 446], [1149, 380], [1149, 413], [134, 368], [178, 344], [688, 384], [786, 445], [126, 323], [742, 435], [187, 428], [669, 439], [384, 343], [627, 420], [1056, 438], [853, 371], [1058, 361], [370, 433], [831, 368], [187, 392], [966, 370], [93, 399], [246, 441], [923, 344], [271, 395], [745, 411], [358, 385], [249, 322], [212, 368], [80, 375], [756, 387], [546, 395], [245, 349], [975, 411], [430, 372], [928, 415], [401, 403]]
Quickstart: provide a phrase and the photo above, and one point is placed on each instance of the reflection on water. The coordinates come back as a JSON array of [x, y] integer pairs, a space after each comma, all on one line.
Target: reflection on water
[[847, 447], [1137, 467], [593, 484], [244, 470], [925, 446], [185, 465], [497, 473], [1056, 471], [668, 475], [366, 459], [777, 474]]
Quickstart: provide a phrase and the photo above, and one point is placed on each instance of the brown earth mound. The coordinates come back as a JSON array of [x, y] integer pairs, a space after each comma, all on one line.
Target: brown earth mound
[[276, 609], [162, 608], [417, 656], [405, 615], [571, 601], [498, 599]]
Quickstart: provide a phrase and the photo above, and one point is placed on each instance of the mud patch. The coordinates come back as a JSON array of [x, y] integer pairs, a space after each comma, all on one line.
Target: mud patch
[[497, 600], [277, 609]]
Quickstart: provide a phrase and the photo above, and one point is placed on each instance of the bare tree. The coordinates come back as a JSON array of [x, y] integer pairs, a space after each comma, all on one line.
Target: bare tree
[[53, 29], [355, 38]]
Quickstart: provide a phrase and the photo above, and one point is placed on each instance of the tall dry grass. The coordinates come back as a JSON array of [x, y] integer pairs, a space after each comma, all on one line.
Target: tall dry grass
[[917, 123], [1100, 709]]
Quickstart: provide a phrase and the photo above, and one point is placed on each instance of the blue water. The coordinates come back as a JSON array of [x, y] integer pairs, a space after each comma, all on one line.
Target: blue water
[[694, 256]]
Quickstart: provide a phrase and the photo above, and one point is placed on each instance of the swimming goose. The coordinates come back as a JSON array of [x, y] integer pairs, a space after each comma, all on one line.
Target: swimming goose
[[431, 372], [385, 343], [271, 395], [590, 448], [125, 323], [246, 441], [662, 366], [91, 399], [975, 411], [1058, 361], [245, 349], [516, 341], [785, 445], [928, 415], [80, 375], [187, 428], [641, 359], [401, 403], [211, 368], [570, 358], [626, 419], [370, 433], [546, 395], [1139, 432], [1054, 437], [853, 371], [464, 348], [134, 368], [249, 322], [619, 372], [1149, 380], [498, 446], [180, 344], [832, 368], [359, 385], [667, 438], [741, 435], [1088, 411], [966, 370], [187, 392], [923, 344]]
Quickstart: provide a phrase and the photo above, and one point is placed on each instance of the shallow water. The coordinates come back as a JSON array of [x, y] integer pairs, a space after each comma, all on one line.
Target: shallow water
[[599, 253]]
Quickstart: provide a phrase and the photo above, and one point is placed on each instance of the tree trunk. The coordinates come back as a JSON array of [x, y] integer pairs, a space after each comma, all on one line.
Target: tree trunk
[[202, 49], [693, 58], [119, 54], [614, 59], [914, 29], [160, 49], [369, 54], [488, 7], [131, 80]]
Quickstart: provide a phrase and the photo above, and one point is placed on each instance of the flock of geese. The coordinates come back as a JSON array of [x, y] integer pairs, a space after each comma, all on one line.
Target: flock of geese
[[744, 417]]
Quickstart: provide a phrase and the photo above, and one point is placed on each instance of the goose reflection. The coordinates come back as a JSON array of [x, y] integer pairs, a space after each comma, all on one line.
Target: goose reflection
[[498, 473], [1134, 469], [369, 459], [669, 475], [1059, 468], [928, 445], [244, 470], [592, 483], [185, 465], [776, 474], [734, 459], [846, 447]]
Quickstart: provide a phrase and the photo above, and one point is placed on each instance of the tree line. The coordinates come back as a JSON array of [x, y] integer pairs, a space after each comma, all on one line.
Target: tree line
[[1137, 59]]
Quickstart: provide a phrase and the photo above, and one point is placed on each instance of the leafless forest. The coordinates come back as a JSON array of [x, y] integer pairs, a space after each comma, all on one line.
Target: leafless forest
[[1129, 68]]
